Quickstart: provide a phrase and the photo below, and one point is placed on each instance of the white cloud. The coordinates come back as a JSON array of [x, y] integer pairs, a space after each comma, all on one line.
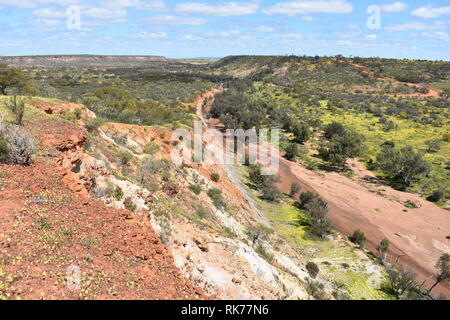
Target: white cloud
[[49, 13], [306, 7], [429, 12], [175, 20], [47, 22], [26, 4], [291, 36], [264, 28], [223, 34], [150, 35], [307, 18], [191, 37], [224, 9], [394, 7], [440, 35], [409, 26], [370, 37], [415, 26], [116, 15], [154, 5]]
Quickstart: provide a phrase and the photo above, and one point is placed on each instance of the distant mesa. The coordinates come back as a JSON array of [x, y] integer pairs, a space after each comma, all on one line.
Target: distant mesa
[[80, 60]]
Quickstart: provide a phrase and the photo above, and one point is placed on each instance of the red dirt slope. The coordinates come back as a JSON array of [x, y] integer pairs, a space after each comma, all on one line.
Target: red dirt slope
[[48, 223], [45, 228]]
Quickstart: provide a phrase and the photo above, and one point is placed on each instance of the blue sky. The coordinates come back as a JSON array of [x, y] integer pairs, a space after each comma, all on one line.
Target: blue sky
[[193, 28]]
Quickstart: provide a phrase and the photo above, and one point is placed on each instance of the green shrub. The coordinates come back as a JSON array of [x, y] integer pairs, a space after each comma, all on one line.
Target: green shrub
[[306, 197], [270, 192], [313, 269], [4, 154], [317, 212], [292, 152], [410, 204], [151, 148], [166, 175], [125, 156], [17, 107], [202, 213], [114, 191], [264, 254], [316, 290], [437, 196], [404, 163], [216, 197], [195, 188], [334, 129], [359, 238], [94, 124], [78, 113], [129, 204], [295, 189], [215, 177]]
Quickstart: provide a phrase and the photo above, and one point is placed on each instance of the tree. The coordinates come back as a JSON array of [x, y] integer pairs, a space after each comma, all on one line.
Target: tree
[[255, 176], [341, 147], [292, 152], [404, 163], [334, 128], [301, 132], [383, 248], [443, 267], [400, 280], [11, 77], [317, 211]]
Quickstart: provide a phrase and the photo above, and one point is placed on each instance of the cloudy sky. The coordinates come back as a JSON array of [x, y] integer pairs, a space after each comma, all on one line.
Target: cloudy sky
[[180, 29]]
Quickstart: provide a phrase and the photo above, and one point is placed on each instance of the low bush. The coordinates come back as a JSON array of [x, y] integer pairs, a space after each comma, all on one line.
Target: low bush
[[295, 189], [94, 124], [359, 238], [437, 196], [216, 197], [195, 188], [151, 148], [3, 149], [306, 197], [17, 107], [16, 145], [215, 177], [125, 157], [129, 204], [313, 269]]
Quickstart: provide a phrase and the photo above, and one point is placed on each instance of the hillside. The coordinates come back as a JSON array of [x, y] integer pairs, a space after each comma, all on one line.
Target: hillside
[[102, 191]]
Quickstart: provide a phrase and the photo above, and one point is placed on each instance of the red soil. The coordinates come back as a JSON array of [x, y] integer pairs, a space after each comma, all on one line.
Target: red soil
[[47, 224], [45, 228]]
